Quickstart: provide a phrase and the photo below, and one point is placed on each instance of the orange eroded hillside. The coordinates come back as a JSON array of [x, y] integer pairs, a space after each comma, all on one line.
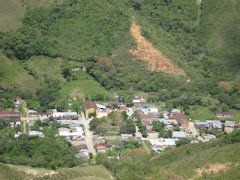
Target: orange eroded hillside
[[146, 52]]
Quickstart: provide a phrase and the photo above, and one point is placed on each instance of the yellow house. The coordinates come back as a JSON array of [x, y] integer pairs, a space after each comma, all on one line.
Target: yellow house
[[90, 109]]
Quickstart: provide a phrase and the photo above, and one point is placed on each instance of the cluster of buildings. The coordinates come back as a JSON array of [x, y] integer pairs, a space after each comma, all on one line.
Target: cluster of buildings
[[92, 109], [175, 118], [227, 126], [12, 116]]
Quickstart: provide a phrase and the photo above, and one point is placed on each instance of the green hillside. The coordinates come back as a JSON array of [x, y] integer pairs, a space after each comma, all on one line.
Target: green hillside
[[217, 159], [12, 12], [14, 172], [199, 37]]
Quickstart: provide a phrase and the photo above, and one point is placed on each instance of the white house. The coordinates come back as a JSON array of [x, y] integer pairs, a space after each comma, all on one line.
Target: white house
[[176, 135], [64, 114], [149, 109], [73, 132], [36, 133]]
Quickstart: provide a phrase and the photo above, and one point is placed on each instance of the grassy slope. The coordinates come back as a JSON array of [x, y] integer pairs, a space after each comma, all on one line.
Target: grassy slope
[[12, 12], [85, 86], [15, 76], [14, 172], [42, 67], [183, 163], [186, 160]]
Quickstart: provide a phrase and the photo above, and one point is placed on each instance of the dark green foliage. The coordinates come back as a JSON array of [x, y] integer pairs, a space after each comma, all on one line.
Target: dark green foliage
[[159, 127], [233, 137], [114, 123], [49, 152], [128, 127], [95, 28], [130, 144], [49, 93], [183, 141]]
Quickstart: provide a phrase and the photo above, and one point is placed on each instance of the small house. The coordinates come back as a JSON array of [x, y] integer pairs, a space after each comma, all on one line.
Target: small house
[[201, 125], [208, 137], [177, 135], [221, 114], [126, 136], [36, 133], [229, 126], [101, 148], [11, 116], [90, 109], [215, 124]]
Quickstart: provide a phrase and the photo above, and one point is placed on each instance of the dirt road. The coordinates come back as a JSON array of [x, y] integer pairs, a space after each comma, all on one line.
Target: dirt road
[[89, 136]]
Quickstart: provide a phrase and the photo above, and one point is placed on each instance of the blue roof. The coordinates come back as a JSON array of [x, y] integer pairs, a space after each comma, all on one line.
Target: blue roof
[[199, 123]]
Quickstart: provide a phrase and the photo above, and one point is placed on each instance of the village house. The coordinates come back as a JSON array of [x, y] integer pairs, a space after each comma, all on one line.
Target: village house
[[151, 116], [102, 111], [179, 118], [208, 137], [148, 109], [221, 114], [152, 134], [80, 68], [77, 141], [237, 125], [138, 99], [17, 102], [147, 124], [177, 135], [158, 145], [126, 136], [65, 115], [90, 108], [215, 124], [34, 115], [102, 148], [229, 126], [121, 108], [36, 133], [71, 133], [83, 153], [99, 140], [201, 125], [11, 116]]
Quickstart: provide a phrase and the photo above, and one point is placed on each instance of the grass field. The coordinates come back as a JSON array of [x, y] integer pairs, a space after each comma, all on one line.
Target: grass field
[[85, 87], [15, 172], [43, 67], [201, 113]]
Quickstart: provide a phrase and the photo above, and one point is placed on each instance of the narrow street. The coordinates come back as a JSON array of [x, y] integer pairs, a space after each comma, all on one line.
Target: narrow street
[[194, 131], [89, 136]]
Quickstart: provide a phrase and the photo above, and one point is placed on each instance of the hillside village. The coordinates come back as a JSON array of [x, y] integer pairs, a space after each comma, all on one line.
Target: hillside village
[[153, 129]]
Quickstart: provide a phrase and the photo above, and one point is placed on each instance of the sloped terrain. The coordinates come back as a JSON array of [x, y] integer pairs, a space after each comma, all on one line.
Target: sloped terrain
[[12, 172], [146, 52], [14, 76], [218, 159]]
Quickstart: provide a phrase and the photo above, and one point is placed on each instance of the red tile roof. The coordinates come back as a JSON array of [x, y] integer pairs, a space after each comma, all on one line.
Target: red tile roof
[[89, 105], [101, 147]]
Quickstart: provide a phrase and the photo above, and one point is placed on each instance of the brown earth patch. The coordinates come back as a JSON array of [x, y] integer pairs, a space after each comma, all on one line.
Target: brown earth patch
[[107, 61], [225, 85], [213, 168], [154, 58]]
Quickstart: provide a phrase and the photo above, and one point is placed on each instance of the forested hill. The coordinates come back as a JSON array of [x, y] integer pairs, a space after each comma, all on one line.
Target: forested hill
[[182, 52]]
